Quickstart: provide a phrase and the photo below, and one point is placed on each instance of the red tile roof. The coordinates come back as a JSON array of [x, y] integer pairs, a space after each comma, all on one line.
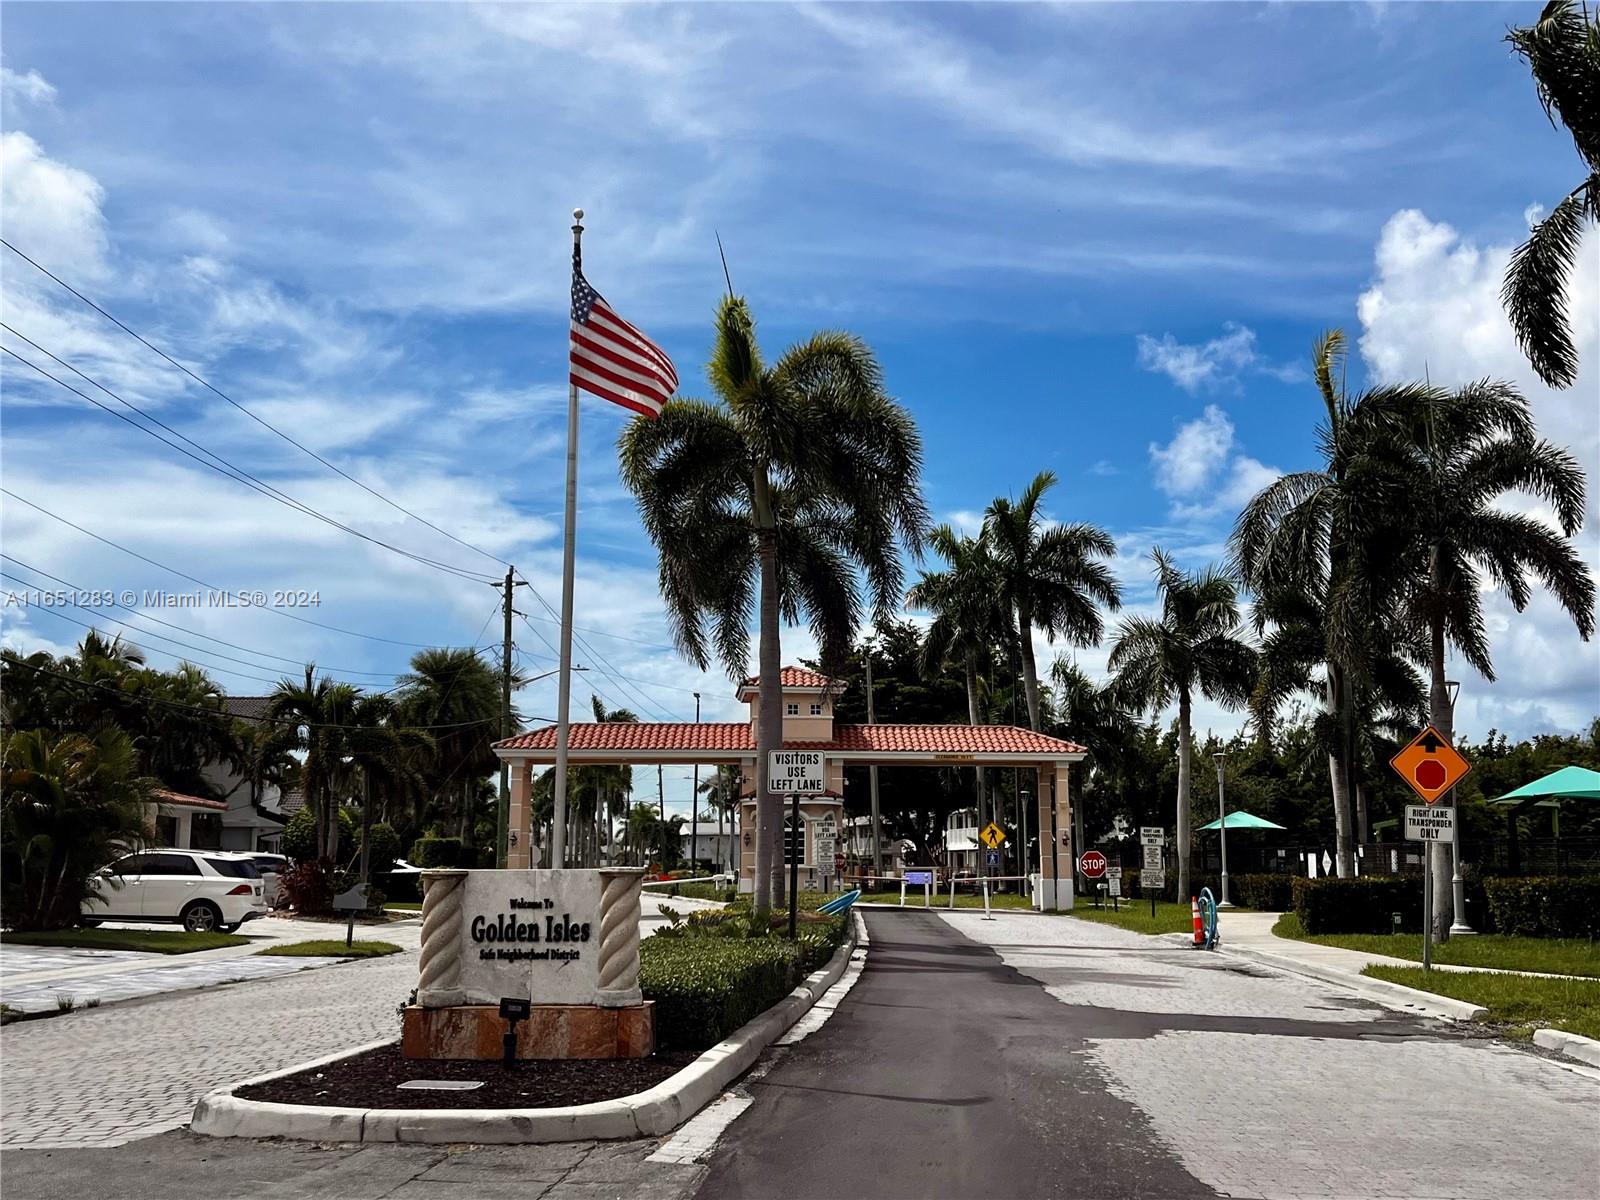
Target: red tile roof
[[792, 677], [736, 737], [178, 798]]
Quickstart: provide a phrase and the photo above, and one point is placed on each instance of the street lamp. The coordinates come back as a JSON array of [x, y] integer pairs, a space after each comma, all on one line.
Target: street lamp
[[1222, 828], [1458, 885]]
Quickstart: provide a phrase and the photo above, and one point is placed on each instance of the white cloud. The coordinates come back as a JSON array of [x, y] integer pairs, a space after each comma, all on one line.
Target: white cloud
[[1202, 471], [51, 210], [32, 88], [1104, 466], [1433, 309], [1212, 364]]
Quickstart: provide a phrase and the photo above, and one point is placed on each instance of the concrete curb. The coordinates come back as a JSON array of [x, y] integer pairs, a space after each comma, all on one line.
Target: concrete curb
[[1380, 991], [1569, 1045], [656, 1111]]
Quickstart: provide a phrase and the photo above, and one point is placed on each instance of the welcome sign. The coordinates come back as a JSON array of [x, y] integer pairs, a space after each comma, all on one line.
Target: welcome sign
[[533, 935]]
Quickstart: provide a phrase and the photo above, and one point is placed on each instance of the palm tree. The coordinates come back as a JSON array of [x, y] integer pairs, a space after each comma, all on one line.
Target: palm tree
[[721, 791], [456, 694], [1095, 717], [765, 503], [1460, 452], [70, 802], [317, 715], [1195, 646], [609, 786], [1562, 49], [969, 617], [1051, 578]]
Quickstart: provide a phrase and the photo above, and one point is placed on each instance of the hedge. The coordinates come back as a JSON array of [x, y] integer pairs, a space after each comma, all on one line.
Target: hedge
[[436, 852], [1264, 893], [1545, 906], [1361, 905]]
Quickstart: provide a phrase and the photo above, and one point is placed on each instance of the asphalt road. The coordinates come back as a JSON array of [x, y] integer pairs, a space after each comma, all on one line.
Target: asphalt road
[[945, 1073]]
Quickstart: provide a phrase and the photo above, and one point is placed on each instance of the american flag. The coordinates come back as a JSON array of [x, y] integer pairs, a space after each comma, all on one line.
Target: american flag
[[612, 359]]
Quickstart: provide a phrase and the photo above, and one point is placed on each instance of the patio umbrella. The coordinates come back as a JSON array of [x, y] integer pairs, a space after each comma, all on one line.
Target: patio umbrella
[[1576, 782], [1242, 820]]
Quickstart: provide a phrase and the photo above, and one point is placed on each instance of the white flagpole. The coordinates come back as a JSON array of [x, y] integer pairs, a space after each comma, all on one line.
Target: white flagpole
[[558, 841]]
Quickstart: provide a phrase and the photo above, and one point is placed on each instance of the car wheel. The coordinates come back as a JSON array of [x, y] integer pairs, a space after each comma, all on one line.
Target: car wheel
[[234, 928], [201, 917]]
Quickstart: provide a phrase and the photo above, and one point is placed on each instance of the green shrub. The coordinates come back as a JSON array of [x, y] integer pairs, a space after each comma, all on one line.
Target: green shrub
[[383, 851], [1361, 905], [300, 834], [1264, 893], [436, 852], [1545, 905], [704, 988]]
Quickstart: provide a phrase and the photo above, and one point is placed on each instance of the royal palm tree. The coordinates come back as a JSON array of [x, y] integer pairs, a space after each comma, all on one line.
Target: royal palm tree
[[765, 503], [456, 695], [1052, 578], [1562, 49], [969, 617], [318, 715], [1460, 452], [1195, 646], [609, 786]]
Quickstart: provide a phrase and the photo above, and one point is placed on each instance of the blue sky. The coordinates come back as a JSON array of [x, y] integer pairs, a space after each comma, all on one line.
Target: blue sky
[[1095, 239]]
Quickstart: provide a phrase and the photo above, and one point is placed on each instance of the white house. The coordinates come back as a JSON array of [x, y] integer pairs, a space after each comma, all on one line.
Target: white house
[[246, 825]]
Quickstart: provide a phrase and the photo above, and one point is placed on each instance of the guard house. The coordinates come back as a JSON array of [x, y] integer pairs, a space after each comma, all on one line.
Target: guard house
[[808, 724]]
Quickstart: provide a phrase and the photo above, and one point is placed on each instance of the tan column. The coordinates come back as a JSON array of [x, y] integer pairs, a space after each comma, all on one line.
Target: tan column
[[520, 819], [1056, 863]]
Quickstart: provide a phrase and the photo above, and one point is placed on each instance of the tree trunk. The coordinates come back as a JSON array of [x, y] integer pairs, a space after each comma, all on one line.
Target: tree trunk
[[1030, 673], [1185, 765], [1338, 698], [467, 830], [769, 882], [1443, 720], [1363, 816]]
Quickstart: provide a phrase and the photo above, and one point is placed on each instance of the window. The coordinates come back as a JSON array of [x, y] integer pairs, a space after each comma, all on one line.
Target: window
[[134, 864], [794, 840], [172, 864], [791, 710], [236, 868], [816, 710]]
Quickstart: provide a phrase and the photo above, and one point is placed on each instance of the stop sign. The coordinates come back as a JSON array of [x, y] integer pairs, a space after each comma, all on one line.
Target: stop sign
[[1092, 864]]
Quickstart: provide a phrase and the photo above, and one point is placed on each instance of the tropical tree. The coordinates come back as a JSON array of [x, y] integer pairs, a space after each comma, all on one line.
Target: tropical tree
[[765, 502], [1195, 646], [969, 617], [455, 694], [721, 791], [1562, 50], [1460, 452], [1097, 718], [319, 716], [607, 788], [70, 802], [1051, 576]]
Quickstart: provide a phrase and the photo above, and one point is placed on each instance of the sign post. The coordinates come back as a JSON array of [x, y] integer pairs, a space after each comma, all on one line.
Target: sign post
[[796, 773], [1431, 766], [1152, 876], [1427, 825]]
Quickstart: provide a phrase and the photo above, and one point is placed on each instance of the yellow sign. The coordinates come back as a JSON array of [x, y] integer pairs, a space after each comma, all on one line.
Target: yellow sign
[[1430, 764], [993, 836]]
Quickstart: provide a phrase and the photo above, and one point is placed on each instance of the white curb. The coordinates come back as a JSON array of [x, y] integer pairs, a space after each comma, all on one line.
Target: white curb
[[656, 1111], [1571, 1045]]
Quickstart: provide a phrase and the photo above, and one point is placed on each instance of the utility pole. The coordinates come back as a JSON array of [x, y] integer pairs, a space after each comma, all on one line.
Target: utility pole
[[694, 802], [872, 774], [503, 812]]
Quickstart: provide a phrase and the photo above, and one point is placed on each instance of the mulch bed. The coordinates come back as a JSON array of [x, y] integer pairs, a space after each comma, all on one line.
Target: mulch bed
[[370, 1081]]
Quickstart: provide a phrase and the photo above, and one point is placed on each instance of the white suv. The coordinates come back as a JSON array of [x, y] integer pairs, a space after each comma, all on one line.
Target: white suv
[[202, 890]]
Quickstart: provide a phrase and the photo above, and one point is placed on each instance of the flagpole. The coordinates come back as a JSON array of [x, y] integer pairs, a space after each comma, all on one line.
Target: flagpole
[[558, 839]]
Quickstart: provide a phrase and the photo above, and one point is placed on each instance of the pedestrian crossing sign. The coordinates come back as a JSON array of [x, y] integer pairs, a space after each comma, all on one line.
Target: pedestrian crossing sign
[[993, 836]]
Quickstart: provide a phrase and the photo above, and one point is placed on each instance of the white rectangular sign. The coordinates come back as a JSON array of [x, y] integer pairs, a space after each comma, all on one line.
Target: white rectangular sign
[[1152, 835], [1113, 872], [797, 772], [1152, 881], [1152, 858], [1429, 823], [1114, 887], [534, 935]]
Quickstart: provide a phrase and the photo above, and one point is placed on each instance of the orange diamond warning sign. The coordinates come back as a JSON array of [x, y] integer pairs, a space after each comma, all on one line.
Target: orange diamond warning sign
[[1430, 764]]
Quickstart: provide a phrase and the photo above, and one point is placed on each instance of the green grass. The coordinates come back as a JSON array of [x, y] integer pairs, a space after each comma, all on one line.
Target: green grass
[[1489, 951], [163, 941], [404, 906], [331, 948], [1134, 914], [1522, 1002]]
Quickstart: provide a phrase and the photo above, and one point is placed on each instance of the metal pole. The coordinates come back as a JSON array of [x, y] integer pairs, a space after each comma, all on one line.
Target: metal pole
[[503, 813], [558, 835], [1222, 829], [794, 864], [1427, 907], [1458, 885], [694, 802], [872, 775]]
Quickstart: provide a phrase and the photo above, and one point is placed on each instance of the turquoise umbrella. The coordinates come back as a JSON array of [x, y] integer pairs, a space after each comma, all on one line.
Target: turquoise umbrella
[[1242, 820], [1576, 782]]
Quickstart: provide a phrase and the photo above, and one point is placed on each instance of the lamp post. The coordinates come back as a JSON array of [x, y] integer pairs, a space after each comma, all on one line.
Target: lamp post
[[1222, 828], [872, 772], [1458, 885], [694, 803]]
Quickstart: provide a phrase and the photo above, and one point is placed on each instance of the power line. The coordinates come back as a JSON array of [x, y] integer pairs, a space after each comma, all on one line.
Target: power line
[[249, 413], [144, 616], [229, 471], [24, 664], [243, 602]]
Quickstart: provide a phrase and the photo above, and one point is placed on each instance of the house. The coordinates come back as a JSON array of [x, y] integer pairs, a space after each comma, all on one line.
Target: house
[[709, 845], [247, 822], [185, 822]]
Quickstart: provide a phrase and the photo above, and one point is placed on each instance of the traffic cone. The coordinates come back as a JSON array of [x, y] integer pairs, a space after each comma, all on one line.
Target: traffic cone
[[1194, 911]]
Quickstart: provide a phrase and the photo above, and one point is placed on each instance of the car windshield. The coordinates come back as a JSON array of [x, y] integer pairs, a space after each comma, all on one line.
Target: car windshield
[[239, 868]]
